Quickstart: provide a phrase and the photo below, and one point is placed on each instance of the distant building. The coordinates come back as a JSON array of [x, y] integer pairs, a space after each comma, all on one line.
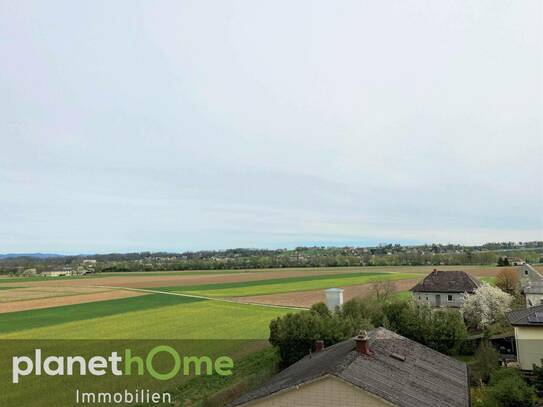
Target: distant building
[[379, 369], [445, 288], [56, 273], [515, 261], [528, 324], [29, 272]]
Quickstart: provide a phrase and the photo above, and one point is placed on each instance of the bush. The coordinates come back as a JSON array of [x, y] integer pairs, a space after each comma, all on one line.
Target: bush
[[321, 309], [294, 335], [447, 331], [538, 376], [508, 389], [486, 362], [409, 319], [364, 309], [507, 280]]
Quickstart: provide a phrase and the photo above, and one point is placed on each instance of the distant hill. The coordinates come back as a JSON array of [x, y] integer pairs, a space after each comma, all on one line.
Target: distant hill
[[34, 255]]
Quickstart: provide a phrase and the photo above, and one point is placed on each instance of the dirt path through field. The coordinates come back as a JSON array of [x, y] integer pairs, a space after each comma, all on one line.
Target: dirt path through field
[[237, 301]]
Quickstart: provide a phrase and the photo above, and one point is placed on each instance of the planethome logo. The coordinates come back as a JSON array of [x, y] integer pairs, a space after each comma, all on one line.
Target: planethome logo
[[118, 365]]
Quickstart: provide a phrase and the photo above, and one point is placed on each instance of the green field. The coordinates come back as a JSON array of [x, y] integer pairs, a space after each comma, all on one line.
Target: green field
[[185, 320], [286, 285], [489, 280], [17, 321], [212, 326]]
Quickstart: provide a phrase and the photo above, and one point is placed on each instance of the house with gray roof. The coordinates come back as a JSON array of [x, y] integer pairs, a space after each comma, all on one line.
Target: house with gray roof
[[445, 288], [528, 325], [377, 369]]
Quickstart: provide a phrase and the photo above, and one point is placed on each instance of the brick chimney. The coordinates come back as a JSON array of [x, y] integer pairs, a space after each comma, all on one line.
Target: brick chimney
[[362, 343], [319, 346]]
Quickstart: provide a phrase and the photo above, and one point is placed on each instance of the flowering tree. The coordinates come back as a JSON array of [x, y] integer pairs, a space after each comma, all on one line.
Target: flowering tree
[[485, 306]]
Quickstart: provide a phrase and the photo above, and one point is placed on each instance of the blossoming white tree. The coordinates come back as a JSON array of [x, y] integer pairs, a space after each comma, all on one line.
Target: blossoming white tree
[[486, 305]]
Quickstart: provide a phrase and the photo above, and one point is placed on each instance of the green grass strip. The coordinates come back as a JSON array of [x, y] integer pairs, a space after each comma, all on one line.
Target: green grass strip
[[16, 321]]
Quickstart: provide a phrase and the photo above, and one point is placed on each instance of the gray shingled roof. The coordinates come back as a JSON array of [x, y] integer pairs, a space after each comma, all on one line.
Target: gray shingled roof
[[521, 317], [447, 282], [425, 379]]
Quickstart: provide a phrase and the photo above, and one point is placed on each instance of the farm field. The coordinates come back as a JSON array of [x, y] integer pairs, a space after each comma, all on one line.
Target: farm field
[[146, 317], [287, 285], [120, 308], [64, 307]]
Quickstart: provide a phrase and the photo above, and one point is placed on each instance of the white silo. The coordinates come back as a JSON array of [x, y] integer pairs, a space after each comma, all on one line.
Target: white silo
[[334, 298]]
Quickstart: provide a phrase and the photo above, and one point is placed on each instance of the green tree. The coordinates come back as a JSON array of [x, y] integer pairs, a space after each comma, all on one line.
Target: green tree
[[538, 376], [364, 309], [508, 389], [294, 335], [321, 309], [486, 362], [447, 331], [409, 319]]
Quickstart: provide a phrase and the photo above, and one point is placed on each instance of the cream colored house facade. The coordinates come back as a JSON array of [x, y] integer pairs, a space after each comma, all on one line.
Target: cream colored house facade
[[529, 341], [328, 391], [528, 325]]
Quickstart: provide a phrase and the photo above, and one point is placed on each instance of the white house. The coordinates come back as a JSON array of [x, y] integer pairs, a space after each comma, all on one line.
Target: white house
[[445, 288]]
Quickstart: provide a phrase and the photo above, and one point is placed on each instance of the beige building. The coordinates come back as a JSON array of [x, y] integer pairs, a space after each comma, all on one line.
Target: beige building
[[528, 324], [379, 369]]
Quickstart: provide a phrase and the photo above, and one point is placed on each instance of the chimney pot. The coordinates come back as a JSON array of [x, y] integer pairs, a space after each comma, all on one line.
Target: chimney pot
[[362, 343], [319, 346]]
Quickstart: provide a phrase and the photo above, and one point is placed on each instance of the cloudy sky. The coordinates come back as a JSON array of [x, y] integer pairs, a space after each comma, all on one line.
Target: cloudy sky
[[177, 125]]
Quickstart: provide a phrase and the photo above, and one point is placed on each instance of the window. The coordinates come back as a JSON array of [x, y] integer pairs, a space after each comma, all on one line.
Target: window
[[541, 301], [526, 272], [419, 297], [449, 297], [427, 298]]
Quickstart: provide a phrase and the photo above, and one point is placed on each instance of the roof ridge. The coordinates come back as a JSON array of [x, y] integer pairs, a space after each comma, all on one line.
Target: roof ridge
[[523, 313]]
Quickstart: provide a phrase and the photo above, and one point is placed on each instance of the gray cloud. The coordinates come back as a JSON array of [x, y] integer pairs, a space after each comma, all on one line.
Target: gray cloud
[[143, 125]]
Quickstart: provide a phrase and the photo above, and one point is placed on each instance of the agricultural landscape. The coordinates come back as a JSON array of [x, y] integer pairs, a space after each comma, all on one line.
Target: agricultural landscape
[[89, 307], [232, 307]]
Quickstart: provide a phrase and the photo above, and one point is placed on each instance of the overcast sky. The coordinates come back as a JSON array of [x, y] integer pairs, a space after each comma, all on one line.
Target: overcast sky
[[177, 125]]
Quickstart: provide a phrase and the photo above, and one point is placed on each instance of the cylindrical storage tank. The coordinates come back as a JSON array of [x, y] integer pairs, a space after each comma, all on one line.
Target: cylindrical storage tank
[[334, 298]]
